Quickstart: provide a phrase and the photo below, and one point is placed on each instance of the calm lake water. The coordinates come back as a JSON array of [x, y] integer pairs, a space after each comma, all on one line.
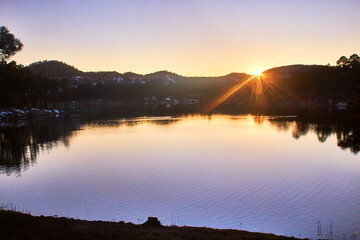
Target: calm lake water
[[264, 174]]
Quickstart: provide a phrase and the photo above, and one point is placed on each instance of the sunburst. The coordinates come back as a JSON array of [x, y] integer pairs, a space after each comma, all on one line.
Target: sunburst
[[258, 73]]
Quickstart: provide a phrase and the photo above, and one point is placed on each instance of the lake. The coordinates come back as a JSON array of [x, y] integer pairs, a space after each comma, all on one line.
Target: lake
[[282, 175]]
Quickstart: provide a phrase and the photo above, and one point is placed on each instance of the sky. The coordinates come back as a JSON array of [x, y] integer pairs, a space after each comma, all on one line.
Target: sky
[[189, 37]]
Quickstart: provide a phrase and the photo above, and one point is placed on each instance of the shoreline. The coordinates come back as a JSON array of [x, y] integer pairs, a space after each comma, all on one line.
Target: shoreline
[[17, 225]]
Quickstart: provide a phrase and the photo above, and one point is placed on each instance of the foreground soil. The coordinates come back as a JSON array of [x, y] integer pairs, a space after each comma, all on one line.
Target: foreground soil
[[20, 226]]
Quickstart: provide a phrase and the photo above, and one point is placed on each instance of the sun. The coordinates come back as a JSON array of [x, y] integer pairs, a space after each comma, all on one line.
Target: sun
[[258, 73]]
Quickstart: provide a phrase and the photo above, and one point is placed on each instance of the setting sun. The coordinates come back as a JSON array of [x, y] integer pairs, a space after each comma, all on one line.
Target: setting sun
[[257, 73]]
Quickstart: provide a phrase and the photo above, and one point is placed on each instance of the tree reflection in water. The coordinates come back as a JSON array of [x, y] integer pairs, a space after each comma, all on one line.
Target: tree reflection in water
[[347, 130], [21, 142]]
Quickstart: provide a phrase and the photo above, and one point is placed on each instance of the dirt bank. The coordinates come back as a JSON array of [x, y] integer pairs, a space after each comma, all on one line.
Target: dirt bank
[[20, 226]]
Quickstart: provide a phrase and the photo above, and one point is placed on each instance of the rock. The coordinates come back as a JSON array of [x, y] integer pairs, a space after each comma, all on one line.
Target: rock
[[152, 222]]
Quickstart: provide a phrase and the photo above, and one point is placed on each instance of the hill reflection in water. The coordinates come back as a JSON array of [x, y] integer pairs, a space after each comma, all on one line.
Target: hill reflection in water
[[22, 142]]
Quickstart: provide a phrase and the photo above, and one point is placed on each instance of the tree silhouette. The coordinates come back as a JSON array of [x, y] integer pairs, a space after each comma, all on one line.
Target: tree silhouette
[[354, 57], [9, 45], [343, 61], [354, 61]]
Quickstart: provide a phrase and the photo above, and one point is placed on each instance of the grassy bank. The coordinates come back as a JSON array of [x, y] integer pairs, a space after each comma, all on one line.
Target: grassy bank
[[20, 226]]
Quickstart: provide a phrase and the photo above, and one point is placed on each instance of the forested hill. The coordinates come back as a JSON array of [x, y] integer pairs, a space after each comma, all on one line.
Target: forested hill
[[59, 70], [308, 82], [53, 69]]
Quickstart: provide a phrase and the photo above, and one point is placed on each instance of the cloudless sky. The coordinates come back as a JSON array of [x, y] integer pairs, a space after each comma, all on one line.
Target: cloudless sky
[[189, 37]]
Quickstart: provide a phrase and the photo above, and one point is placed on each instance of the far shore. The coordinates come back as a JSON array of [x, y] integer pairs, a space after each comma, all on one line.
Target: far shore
[[16, 225]]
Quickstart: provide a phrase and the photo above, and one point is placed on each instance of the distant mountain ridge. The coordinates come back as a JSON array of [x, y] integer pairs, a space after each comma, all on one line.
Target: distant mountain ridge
[[59, 70]]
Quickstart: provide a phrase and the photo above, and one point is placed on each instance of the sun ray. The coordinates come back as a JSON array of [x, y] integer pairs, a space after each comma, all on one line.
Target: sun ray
[[228, 94], [262, 91]]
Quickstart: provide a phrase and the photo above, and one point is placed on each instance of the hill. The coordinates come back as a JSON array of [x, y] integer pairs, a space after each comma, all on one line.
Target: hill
[[53, 69], [59, 70], [314, 82]]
